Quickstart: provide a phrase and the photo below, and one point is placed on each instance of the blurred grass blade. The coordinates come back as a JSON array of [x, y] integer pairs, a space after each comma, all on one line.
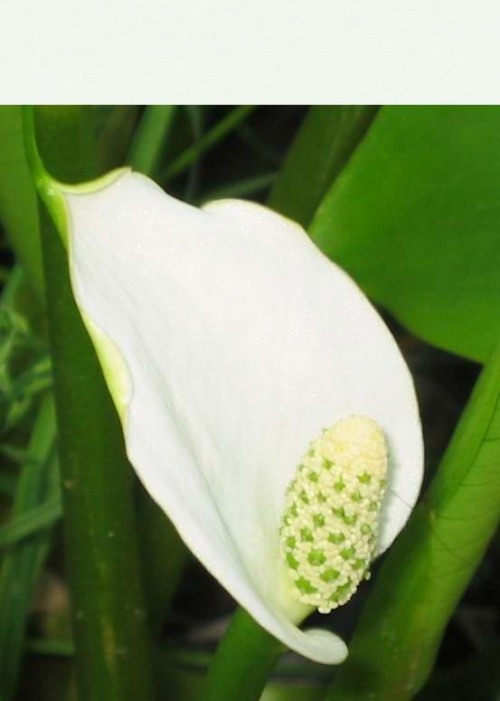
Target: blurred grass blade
[[21, 565], [8, 483], [224, 127], [242, 188], [429, 567], [113, 649], [33, 520], [322, 147], [18, 210], [196, 115], [150, 137]]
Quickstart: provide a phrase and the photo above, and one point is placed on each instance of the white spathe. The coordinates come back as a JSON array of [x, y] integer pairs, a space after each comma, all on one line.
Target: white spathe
[[229, 341]]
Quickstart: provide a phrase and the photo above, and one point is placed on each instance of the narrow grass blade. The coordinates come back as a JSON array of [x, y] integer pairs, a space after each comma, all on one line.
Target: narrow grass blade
[[21, 565], [30, 522], [150, 137], [212, 137], [242, 188]]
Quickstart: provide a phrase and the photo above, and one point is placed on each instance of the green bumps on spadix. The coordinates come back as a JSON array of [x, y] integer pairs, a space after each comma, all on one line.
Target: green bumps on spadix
[[329, 527]]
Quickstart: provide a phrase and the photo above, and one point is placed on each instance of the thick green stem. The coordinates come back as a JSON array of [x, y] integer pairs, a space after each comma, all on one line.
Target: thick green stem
[[394, 647], [112, 641], [243, 661]]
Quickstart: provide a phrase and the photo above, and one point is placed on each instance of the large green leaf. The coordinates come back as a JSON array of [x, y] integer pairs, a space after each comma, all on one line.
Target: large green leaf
[[428, 569], [415, 218]]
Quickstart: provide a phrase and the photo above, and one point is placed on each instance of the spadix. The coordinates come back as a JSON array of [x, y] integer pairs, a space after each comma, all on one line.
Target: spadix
[[228, 342], [330, 523]]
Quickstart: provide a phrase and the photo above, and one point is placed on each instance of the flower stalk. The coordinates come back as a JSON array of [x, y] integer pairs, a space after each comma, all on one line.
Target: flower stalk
[[111, 637]]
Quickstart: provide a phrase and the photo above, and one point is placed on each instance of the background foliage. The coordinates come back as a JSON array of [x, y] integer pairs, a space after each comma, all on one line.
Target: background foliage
[[405, 198]]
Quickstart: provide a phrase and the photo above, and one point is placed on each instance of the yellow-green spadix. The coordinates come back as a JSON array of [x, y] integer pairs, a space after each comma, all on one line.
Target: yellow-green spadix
[[245, 366]]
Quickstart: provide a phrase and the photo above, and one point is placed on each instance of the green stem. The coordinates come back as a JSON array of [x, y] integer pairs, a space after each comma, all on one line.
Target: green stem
[[113, 647], [212, 137], [426, 572], [150, 138], [243, 661]]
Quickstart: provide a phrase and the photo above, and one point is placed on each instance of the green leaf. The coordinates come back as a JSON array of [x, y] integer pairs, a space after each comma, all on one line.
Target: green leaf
[[18, 210], [415, 219], [429, 567], [113, 646], [322, 147]]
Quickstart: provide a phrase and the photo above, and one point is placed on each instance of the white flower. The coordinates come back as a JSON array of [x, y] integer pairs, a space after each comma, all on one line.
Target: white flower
[[229, 342]]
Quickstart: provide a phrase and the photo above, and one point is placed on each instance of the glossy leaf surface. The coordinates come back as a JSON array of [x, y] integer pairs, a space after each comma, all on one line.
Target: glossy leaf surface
[[415, 219]]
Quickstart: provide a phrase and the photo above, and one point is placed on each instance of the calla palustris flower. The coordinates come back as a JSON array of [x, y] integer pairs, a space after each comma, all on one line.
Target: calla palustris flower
[[265, 405]]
